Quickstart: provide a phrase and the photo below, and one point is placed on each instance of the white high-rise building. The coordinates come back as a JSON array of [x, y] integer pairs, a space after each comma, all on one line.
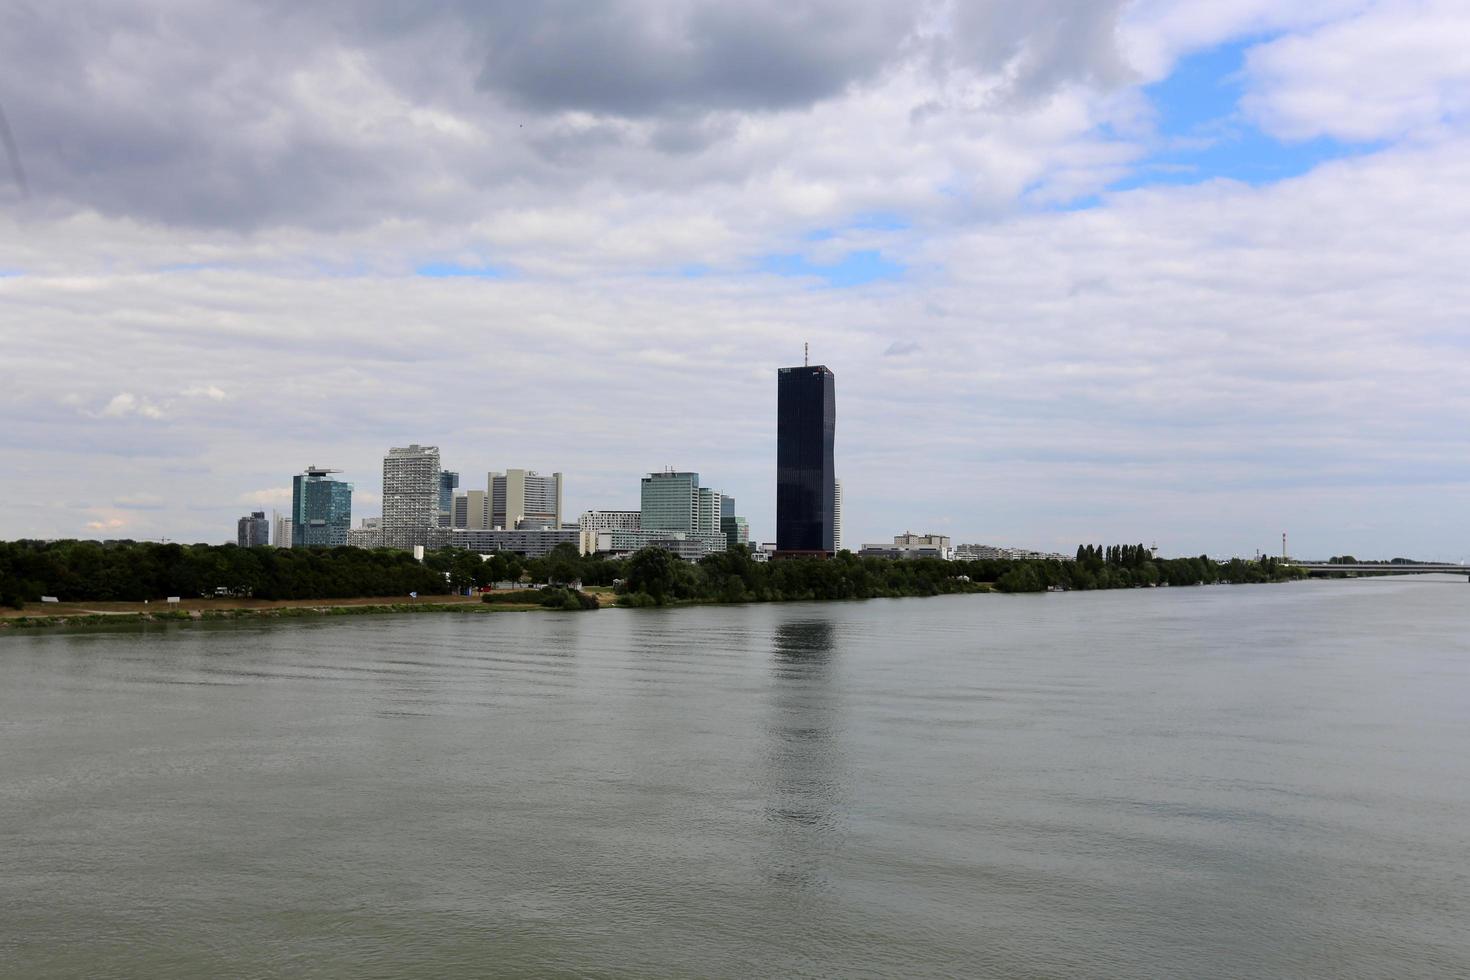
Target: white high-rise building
[[707, 511], [472, 510], [837, 516], [524, 498], [410, 495], [280, 530]]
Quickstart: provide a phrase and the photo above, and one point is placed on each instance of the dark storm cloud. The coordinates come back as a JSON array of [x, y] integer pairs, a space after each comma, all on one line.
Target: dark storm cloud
[[637, 58]]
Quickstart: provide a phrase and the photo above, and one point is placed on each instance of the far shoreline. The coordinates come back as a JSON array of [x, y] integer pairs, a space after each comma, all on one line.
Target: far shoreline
[[130, 614]]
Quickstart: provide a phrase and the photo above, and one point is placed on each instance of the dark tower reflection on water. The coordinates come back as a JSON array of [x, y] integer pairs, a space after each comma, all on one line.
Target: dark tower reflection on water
[[804, 760]]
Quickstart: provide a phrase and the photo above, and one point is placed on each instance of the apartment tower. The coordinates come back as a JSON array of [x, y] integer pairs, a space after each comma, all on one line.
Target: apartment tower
[[411, 488]]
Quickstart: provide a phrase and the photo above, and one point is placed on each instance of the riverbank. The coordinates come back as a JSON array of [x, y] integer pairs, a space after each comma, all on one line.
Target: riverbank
[[38, 615]]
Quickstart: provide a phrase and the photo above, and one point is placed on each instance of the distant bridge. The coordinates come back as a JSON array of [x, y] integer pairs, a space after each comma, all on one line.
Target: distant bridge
[[1384, 568]]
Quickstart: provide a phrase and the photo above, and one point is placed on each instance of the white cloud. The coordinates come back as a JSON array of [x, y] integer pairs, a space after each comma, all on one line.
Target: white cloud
[[270, 497], [125, 403], [140, 501], [1396, 69], [211, 392]]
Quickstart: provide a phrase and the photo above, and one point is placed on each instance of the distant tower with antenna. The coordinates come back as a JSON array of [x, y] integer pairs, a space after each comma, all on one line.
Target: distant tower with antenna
[[806, 481]]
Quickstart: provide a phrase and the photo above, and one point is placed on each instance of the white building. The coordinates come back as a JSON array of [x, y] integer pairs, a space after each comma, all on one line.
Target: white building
[[410, 495], [530, 543], [911, 545], [609, 520], [524, 499], [837, 516], [472, 510], [280, 530], [689, 545], [990, 552]]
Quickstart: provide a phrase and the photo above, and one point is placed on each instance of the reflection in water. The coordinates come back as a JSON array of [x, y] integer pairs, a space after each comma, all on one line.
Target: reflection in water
[[803, 647], [803, 757]]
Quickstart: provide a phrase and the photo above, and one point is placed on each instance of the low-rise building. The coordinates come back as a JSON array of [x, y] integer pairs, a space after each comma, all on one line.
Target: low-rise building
[[989, 552], [689, 545], [369, 534], [910, 545], [609, 520], [531, 543]]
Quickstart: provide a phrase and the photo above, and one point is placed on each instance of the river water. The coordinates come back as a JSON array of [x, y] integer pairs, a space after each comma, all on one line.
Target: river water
[[1250, 781]]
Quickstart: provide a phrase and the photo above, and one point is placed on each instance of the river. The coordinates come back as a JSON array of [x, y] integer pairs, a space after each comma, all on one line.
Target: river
[[1232, 781]]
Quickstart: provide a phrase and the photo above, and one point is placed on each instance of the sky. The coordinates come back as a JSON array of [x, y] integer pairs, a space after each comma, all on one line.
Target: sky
[[1166, 271]]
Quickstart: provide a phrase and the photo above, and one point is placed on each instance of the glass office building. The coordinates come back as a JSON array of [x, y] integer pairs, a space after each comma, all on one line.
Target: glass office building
[[669, 501], [806, 487], [321, 509], [448, 483]]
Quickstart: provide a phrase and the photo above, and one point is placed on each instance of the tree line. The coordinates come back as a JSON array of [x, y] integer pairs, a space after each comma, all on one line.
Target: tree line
[[131, 571], [655, 577], [93, 571]]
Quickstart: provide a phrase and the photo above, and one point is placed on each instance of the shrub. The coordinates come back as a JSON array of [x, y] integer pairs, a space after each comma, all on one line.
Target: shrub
[[520, 597], [568, 600]]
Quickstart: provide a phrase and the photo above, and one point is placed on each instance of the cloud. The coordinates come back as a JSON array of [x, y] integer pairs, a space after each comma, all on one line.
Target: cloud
[[1390, 71], [1043, 44], [110, 524], [126, 403], [140, 501], [462, 115], [901, 348], [269, 497], [210, 392], [636, 58]]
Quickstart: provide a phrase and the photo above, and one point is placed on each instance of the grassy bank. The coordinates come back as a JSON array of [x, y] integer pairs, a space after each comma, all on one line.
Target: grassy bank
[[36, 615]]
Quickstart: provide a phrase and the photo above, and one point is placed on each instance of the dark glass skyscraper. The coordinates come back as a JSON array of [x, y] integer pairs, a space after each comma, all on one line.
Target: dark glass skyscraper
[[806, 489]]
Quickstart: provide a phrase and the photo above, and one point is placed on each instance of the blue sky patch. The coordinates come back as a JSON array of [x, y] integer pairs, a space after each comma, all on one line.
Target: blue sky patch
[[1203, 135], [854, 269], [873, 221], [443, 270]]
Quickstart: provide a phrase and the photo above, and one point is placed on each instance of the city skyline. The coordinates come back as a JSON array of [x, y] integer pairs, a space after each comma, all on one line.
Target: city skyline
[[1146, 271]]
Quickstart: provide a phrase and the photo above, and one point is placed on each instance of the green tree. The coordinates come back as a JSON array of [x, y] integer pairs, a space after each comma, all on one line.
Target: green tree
[[653, 572]]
